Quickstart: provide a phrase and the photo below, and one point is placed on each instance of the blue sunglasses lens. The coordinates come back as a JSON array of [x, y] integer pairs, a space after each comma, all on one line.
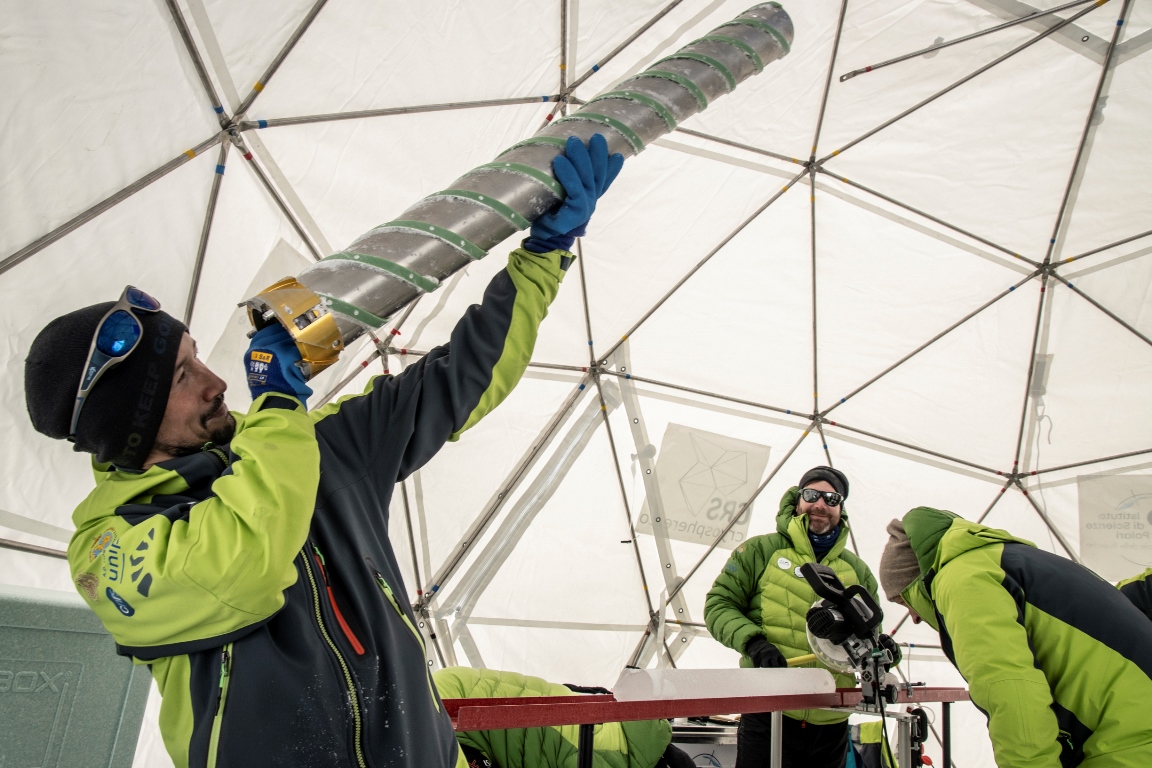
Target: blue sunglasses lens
[[118, 335], [137, 298]]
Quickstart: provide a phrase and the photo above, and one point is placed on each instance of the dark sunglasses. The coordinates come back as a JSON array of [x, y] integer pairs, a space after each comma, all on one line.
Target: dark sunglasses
[[831, 498], [117, 335]]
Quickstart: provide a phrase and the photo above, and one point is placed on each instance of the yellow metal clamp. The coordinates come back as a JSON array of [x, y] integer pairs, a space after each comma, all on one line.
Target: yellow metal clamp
[[307, 320]]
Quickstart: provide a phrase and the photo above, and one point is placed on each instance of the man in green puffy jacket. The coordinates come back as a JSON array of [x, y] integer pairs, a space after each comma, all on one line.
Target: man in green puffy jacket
[[631, 744], [1138, 589], [758, 604], [1057, 659]]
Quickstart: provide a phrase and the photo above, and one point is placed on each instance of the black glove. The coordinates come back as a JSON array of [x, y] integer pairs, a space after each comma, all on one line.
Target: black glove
[[764, 654], [890, 645]]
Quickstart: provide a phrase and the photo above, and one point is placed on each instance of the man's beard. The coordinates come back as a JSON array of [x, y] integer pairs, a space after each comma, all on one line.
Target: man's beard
[[221, 435]]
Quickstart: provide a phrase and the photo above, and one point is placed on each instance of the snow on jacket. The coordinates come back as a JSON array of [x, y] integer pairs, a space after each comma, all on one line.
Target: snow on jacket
[[1058, 660], [257, 579], [761, 592], [1138, 589], [635, 744]]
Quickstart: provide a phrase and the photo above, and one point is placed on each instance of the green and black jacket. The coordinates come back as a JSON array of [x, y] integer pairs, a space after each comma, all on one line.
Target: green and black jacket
[[761, 592], [634, 744], [1058, 659], [1138, 589], [257, 579]]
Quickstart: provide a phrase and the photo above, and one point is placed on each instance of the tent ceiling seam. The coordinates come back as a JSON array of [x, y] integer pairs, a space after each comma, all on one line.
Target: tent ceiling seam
[[288, 192], [276, 198], [215, 55]]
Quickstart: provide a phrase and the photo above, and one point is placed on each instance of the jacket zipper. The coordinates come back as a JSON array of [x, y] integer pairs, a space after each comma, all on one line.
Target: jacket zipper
[[357, 646], [353, 699], [415, 633], [221, 700]]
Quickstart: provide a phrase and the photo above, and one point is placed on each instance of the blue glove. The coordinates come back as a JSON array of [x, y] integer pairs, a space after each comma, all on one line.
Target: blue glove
[[585, 173], [271, 364]]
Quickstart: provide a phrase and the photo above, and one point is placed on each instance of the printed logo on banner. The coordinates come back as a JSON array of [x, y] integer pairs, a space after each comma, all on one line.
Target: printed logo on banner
[[703, 479], [1116, 524]]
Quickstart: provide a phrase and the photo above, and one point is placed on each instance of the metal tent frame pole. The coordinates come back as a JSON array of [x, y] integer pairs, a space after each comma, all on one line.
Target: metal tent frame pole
[[262, 83], [205, 231], [948, 44], [958, 83], [111, 201], [331, 117]]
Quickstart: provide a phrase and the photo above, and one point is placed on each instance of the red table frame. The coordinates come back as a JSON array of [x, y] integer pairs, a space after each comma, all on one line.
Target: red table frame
[[536, 711]]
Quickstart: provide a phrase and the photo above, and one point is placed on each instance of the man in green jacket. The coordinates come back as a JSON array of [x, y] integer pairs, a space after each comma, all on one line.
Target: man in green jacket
[[1138, 589], [758, 605], [245, 557], [1056, 658]]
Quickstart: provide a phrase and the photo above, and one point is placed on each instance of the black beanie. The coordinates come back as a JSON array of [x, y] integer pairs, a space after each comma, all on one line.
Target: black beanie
[[833, 477], [122, 413]]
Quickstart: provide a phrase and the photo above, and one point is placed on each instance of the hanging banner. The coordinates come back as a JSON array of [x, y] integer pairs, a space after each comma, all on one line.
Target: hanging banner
[[1116, 524], [703, 479]]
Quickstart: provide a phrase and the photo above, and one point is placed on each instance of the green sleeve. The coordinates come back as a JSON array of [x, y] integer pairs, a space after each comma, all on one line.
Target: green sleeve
[[1138, 590], [992, 651], [537, 278], [169, 582], [729, 602]]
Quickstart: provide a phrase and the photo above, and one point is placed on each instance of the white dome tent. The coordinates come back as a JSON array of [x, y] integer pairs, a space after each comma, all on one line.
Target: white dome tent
[[930, 275]]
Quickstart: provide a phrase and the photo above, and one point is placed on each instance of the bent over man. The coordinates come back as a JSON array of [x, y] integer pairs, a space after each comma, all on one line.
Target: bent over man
[[1057, 658], [758, 604], [245, 557]]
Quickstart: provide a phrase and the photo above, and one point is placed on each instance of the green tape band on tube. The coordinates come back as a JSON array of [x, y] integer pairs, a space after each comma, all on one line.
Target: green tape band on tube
[[489, 202], [474, 251], [729, 78], [530, 172], [414, 279], [762, 26], [641, 98], [555, 141], [629, 134], [680, 80], [352, 311], [747, 50]]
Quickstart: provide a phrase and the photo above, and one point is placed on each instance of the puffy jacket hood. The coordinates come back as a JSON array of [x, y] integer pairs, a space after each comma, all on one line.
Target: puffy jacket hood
[[938, 536], [794, 527]]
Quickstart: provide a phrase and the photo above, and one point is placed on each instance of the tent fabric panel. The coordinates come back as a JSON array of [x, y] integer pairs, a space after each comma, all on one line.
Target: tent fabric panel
[[66, 143]]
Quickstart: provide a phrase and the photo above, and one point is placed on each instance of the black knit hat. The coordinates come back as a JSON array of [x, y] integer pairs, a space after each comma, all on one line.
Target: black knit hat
[[122, 413], [833, 477]]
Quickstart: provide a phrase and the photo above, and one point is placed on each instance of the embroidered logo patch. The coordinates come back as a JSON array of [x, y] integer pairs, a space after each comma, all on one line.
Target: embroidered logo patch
[[88, 584], [120, 603], [101, 543]]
